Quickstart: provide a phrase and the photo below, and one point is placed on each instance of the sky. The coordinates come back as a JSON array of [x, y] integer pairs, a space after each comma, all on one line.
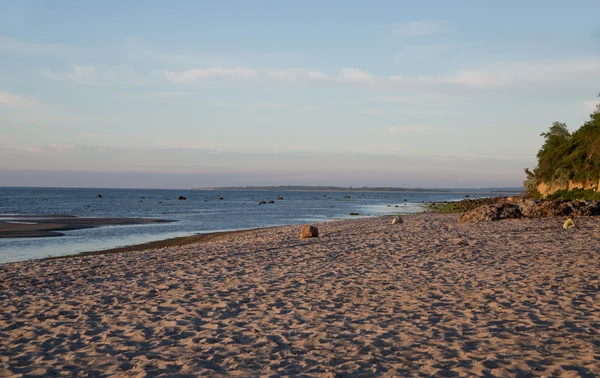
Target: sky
[[351, 93]]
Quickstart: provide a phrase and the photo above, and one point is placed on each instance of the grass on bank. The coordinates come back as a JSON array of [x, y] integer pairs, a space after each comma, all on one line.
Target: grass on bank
[[444, 208], [463, 205], [575, 194]]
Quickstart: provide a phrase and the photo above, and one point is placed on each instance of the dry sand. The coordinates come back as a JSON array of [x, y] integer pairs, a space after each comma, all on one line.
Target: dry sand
[[429, 297]]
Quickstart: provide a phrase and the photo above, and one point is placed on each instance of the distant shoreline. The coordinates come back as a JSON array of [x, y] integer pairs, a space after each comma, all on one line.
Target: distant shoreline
[[364, 189]]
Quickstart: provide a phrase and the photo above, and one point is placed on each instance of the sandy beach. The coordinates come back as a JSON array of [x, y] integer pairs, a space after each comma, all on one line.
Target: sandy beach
[[429, 297]]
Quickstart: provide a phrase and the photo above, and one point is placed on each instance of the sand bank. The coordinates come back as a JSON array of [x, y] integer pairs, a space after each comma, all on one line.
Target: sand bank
[[429, 297], [28, 226]]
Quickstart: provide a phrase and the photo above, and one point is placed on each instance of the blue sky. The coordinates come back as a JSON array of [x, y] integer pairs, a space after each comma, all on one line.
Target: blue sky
[[206, 93]]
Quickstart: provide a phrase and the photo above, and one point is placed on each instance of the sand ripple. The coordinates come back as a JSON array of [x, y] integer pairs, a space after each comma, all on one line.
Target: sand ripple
[[427, 298]]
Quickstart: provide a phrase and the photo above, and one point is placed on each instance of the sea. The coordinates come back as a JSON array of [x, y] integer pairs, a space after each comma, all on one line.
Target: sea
[[201, 212]]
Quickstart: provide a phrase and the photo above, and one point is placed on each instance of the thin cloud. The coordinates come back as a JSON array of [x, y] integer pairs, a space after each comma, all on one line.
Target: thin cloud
[[24, 47], [99, 76], [266, 106], [43, 149], [168, 95], [525, 74], [28, 149], [420, 99], [17, 101], [283, 76], [591, 104], [87, 75], [412, 52], [193, 76], [531, 74], [418, 28], [346, 75], [505, 74], [514, 74], [62, 147], [373, 112], [411, 129]]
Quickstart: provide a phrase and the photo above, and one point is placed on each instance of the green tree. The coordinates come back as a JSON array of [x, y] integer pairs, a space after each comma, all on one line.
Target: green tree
[[556, 135], [566, 156]]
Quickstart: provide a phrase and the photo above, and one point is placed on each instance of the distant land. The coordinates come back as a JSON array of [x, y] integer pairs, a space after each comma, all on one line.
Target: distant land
[[360, 189]]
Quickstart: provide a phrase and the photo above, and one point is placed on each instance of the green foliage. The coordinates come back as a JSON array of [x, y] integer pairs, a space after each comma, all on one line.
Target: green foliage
[[444, 208], [463, 205], [575, 194], [531, 184], [566, 156]]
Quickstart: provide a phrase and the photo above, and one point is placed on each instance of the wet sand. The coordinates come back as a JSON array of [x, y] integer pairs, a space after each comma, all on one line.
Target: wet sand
[[173, 242], [30, 226], [430, 297]]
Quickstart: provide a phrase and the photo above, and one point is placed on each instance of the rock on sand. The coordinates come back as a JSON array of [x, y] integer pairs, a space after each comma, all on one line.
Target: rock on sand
[[309, 231]]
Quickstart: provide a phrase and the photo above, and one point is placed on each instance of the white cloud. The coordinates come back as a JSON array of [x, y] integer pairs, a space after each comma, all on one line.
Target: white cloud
[[191, 77], [352, 74], [577, 71], [319, 75], [16, 101], [310, 108], [100, 76], [346, 75], [418, 28], [411, 129], [582, 72], [526, 74]]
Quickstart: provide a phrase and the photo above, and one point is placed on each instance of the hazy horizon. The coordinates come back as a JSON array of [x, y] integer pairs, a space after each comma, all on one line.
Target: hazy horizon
[[430, 94], [46, 179]]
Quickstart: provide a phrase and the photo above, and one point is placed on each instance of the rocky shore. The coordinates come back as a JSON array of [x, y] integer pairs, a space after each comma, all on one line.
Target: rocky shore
[[493, 209]]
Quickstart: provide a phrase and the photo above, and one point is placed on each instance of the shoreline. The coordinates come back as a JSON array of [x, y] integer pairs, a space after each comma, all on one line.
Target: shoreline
[[179, 241], [182, 241]]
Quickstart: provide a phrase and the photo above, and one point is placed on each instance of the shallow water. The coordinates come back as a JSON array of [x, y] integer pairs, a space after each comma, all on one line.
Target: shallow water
[[202, 212]]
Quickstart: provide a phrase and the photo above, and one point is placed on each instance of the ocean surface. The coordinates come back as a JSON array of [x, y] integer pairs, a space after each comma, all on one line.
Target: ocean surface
[[202, 212]]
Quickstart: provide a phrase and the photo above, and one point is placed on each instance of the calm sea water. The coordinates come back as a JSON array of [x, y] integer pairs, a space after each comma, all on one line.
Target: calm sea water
[[202, 212]]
